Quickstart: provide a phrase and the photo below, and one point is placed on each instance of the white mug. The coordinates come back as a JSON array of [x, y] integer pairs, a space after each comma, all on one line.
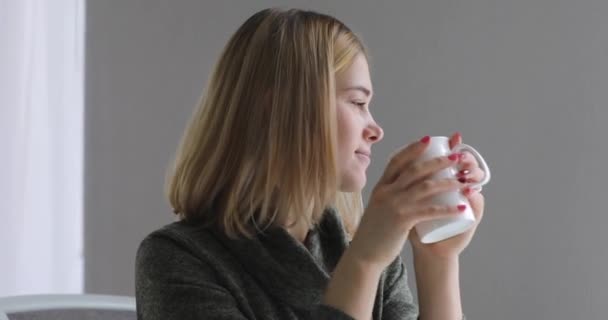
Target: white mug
[[443, 228]]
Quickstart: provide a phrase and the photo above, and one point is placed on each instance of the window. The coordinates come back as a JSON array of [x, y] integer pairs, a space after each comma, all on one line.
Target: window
[[41, 146]]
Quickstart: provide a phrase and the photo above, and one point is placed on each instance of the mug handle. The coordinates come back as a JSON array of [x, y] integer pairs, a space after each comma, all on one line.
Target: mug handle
[[482, 163]]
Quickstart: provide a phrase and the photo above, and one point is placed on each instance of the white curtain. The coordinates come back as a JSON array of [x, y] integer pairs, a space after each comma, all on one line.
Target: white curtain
[[41, 146]]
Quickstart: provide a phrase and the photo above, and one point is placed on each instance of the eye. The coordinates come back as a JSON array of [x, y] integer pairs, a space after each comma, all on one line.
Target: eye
[[359, 104]]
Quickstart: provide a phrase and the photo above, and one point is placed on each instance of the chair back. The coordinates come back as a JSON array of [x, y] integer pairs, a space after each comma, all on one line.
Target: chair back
[[67, 307]]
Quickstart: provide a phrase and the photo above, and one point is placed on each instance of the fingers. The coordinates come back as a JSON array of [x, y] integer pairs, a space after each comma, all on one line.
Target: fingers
[[432, 212], [477, 201], [470, 175], [407, 155], [431, 187], [469, 169], [402, 159], [455, 139], [421, 170], [468, 161]]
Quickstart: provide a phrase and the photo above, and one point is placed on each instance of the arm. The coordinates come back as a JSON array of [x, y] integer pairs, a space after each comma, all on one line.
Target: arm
[[353, 287], [438, 285], [396, 205]]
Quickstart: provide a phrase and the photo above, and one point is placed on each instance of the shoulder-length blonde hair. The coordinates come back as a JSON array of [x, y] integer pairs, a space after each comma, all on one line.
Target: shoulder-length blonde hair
[[260, 149]]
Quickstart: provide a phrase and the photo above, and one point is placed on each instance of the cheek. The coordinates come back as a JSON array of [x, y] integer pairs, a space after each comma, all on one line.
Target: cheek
[[340, 118], [347, 144], [347, 125], [343, 137]]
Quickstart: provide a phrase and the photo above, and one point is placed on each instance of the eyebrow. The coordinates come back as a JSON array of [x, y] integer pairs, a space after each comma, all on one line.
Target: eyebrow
[[363, 89]]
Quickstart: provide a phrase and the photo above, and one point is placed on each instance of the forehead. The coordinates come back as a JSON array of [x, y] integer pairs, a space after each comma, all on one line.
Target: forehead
[[356, 75]]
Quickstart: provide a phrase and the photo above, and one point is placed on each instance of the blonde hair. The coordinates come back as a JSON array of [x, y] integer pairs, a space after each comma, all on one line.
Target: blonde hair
[[260, 149]]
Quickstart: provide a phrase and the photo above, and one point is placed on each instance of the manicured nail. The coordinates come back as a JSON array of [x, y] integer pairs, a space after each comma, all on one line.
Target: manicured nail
[[425, 139], [454, 156], [462, 180], [463, 173], [462, 207]]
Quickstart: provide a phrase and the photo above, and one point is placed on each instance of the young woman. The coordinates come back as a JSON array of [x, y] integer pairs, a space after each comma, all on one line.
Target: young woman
[[267, 184]]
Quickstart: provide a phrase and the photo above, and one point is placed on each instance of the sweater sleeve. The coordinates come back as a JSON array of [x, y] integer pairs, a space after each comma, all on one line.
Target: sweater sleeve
[[325, 312], [171, 283], [398, 301]]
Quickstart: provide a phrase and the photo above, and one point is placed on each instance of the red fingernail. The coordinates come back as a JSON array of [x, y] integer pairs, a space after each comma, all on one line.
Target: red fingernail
[[462, 207], [454, 156], [425, 139], [463, 173], [462, 180]]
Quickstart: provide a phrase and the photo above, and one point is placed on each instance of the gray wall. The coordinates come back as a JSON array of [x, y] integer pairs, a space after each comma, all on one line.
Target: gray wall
[[525, 81]]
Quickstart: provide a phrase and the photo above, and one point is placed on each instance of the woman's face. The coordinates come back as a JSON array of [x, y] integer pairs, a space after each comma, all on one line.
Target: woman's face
[[357, 130]]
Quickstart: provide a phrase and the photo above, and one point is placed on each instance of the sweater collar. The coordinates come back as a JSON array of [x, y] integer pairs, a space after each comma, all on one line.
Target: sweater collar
[[285, 267]]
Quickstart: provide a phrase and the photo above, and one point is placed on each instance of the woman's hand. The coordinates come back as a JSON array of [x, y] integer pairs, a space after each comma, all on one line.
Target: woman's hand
[[400, 201], [452, 247]]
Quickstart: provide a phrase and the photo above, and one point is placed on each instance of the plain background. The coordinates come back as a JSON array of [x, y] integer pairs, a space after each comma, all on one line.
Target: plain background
[[525, 81]]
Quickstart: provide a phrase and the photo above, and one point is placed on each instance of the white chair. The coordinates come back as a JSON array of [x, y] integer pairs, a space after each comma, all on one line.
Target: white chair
[[67, 307]]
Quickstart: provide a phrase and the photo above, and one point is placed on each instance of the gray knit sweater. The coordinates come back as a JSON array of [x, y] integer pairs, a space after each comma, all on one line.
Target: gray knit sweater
[[184, 271]]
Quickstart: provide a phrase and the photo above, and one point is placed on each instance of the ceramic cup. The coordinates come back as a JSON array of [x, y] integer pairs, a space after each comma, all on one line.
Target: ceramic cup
[[443, 228]]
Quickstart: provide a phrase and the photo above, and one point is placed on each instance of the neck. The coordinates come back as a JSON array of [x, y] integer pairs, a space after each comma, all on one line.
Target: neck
[[298, 230]]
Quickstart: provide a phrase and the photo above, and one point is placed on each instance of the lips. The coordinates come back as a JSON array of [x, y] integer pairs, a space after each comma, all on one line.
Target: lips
[[364, 156], [364, 152]]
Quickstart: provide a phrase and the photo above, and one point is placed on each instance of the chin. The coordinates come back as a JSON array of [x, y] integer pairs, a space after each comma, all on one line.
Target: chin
[[353, 184]]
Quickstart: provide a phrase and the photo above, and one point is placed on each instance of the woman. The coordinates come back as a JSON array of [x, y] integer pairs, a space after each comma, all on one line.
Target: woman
[[267, 183]]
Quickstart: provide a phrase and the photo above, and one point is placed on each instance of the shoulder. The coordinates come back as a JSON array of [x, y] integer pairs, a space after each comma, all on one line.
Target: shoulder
[[180, 232], [175, 246], [177, 235], [181, 269]]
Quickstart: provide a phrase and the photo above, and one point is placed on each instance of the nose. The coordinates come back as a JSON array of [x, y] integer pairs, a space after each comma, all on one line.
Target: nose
[[373, 132]]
